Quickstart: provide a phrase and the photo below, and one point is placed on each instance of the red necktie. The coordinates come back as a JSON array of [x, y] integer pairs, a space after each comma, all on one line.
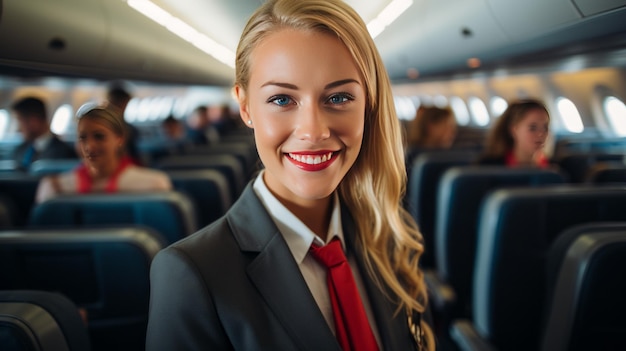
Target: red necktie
[[351, 324]]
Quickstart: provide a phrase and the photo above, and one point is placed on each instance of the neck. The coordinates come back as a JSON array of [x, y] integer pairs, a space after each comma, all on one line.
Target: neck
[[524, 157], [104, 171], [314, 214]]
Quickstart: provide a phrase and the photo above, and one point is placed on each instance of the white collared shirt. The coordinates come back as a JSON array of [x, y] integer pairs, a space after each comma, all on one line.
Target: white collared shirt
[[299, 239]]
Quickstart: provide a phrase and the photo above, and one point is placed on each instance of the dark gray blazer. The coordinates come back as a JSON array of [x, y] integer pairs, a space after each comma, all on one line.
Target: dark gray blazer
[[56, 149], [234, 285]]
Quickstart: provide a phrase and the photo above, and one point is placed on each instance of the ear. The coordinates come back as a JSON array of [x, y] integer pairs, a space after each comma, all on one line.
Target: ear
[[244, 111]]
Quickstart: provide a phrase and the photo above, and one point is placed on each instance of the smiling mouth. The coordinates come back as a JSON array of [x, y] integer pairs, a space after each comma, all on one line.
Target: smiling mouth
[[312, 162]]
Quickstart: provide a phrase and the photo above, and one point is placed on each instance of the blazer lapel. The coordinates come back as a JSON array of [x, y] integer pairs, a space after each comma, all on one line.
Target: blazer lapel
[[277, 277], [392, 328]]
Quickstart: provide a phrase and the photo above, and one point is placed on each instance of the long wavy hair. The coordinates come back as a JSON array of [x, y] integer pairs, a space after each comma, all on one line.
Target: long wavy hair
[[373, 188], [500, 140]]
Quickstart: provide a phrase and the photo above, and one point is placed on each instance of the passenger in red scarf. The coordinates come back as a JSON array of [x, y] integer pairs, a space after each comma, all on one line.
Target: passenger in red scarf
[[106, 167], [519, 136]]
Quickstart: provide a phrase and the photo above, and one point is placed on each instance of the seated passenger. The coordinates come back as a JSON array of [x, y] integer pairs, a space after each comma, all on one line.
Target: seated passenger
[[106, 167], [174, 133], [199, 128], [39, 142], [432, 128], [118, 97], [518, 136]]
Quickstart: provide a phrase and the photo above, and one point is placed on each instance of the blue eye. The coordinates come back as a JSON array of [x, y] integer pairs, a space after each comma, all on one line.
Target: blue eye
[[340, 98], [280, 100]]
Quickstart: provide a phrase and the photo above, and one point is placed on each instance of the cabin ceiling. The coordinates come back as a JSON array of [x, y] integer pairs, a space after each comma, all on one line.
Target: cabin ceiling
[[106, 39]]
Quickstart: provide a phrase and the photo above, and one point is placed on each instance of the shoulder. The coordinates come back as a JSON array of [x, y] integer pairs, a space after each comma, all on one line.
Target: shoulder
[[206, 251]]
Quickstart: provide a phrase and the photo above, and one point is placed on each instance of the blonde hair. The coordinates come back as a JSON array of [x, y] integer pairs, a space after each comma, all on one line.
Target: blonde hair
[[393, 244], [499, 140]]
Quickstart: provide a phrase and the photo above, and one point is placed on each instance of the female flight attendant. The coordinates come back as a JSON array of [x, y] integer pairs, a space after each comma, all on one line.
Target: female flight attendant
[[272, 273], [105, 167], [519, 136]]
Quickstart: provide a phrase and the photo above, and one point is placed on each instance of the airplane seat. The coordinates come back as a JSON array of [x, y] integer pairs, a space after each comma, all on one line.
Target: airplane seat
[[170, 212], [577, 166], [21, 190], [208, 189], [586, 302], [7, 212], [607, 174], [8, 166], [229, 165], [44, 167], [40, 320], [516, 229], [460, 194], [103, 270], [421, 192], [246, 155]]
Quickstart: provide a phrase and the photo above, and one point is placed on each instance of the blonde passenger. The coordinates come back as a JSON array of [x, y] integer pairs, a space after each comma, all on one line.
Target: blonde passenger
[[312, 86], [518, 137], [105, 167], [432, 128]]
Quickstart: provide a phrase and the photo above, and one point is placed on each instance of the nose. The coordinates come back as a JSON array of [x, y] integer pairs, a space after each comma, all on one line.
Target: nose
[[312, 125], [85, 145]]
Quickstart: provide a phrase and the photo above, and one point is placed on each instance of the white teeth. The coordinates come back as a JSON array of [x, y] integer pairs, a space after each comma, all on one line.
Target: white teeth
[[311, 160]]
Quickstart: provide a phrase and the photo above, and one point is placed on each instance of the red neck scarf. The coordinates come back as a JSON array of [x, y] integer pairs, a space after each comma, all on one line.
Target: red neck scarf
[[511, 160], [84, 182]]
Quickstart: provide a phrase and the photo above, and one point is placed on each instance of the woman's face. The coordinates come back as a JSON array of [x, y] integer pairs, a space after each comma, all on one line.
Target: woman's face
[[531, 131], [98, 144], [306, 101]]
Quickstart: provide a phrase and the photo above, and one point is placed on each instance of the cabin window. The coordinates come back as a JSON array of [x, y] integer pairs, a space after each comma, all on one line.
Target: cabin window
[[143, 110], [479, 111], [405, 109], [4, 122], [615, 110], [440, 101], [569, 115], [460, 110], [62, 119], [130, 114], [498, 106], [165, 107]]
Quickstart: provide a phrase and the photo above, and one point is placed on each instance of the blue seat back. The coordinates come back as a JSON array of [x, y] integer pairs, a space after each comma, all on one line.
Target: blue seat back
[[21, 190], [516, 229], [207, 189], [40, 320], [425, 175], [169, 213], [103, 270], [52, 166], [587, 303], [460, 195], [228, 165]]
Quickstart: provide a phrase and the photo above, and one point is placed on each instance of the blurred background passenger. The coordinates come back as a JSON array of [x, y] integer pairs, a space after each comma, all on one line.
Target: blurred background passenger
[[118, 97], [174, 133], [38, 141], [106, 167], [518, 137], [432, 128], [199, 128], [220, 119]]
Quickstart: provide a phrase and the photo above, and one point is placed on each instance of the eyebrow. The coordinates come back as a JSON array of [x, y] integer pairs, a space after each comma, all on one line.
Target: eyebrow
[[328, 86]]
